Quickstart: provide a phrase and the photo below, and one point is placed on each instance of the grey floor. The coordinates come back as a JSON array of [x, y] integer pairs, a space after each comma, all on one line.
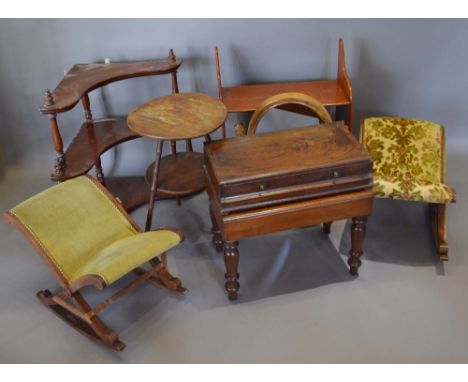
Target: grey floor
[[297, 302]]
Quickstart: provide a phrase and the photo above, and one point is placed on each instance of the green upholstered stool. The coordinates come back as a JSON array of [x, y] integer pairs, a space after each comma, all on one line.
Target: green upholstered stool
[[87, 238], [409, 164]]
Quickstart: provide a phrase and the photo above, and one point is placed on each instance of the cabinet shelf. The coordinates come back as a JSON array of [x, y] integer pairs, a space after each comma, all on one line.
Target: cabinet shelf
[[249, 97], [91, 142]]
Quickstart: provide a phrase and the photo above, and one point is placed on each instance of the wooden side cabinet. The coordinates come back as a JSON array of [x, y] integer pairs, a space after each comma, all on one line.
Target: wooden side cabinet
[[96, 136]]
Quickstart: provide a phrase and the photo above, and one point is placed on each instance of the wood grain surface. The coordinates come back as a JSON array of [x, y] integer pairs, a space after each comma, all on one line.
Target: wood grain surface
[[83, 78], [290, 151], [178, 116]]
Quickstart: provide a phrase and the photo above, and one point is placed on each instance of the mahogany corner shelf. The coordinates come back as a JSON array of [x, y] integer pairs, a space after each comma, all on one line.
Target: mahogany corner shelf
[[95, 137], [332, 92]]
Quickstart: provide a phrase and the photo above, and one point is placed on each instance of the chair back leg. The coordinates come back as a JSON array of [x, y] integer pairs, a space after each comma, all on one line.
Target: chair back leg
[[439, 226]]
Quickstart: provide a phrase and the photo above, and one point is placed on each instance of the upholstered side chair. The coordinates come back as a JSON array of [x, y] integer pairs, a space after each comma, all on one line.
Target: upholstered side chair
[[409, 164], [87, 239]]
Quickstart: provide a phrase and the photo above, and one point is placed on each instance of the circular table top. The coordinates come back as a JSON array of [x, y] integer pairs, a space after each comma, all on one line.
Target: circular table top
[[178, 116]]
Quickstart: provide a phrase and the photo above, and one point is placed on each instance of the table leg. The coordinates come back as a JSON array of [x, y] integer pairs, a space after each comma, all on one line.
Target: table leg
[[217, 237], [231, 260], [358, 230], [326, 227], [154, 185]]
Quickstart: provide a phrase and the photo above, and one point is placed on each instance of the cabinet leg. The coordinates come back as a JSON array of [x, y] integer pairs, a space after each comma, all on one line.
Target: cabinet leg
[[358, 231], [326, 227], [231, 260], [217, 239]]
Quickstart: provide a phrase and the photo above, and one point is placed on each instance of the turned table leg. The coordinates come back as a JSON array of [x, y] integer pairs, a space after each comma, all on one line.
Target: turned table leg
[[231, 260], [358, 230], [217, 239], [154, 185]]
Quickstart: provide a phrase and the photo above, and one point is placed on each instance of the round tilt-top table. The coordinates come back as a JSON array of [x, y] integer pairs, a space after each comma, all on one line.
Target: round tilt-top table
[[180, 116]]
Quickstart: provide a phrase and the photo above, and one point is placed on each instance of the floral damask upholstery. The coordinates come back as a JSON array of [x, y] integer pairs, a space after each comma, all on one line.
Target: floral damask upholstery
[[409, 159]]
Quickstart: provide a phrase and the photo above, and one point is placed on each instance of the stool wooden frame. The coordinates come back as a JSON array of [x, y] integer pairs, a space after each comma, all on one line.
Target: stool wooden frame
[[70, 305]]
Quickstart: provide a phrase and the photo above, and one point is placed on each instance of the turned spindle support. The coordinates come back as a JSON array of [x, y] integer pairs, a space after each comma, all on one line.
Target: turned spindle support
[[92, 137], [172, 59], [59, 164]]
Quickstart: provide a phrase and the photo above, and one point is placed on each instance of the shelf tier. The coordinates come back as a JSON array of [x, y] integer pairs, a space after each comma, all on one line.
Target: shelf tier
[[91, 141], [180, 174], [133, 191], [249, 97], [83, 78]]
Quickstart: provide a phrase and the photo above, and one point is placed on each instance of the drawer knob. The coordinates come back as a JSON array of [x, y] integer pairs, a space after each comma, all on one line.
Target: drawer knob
[[262, 187], [336, 174]]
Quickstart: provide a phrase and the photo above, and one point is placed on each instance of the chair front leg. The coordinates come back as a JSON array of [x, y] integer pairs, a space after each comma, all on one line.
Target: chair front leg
[[163, 278]]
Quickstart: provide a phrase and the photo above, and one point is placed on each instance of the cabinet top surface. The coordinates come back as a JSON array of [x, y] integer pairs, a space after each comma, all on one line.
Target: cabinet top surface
[[287, 151], [178, 116], [83, 78]]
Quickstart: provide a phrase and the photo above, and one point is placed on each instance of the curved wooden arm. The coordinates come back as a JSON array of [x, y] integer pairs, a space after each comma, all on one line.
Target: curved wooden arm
[[287, 99]]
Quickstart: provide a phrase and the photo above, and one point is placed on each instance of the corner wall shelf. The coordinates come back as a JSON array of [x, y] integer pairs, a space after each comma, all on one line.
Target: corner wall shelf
[[95, 137]]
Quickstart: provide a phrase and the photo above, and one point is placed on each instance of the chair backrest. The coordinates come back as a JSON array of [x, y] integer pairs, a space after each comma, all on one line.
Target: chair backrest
[[282, 99], [404, 148], [70, 222]]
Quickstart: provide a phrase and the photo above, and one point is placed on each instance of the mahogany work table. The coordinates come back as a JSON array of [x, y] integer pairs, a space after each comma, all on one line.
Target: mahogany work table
[[181, 116], [287, 179]]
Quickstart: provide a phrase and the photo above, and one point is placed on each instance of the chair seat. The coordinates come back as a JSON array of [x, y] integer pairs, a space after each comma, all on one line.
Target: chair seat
[[409, 159], [413, 190], [124, 255]]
